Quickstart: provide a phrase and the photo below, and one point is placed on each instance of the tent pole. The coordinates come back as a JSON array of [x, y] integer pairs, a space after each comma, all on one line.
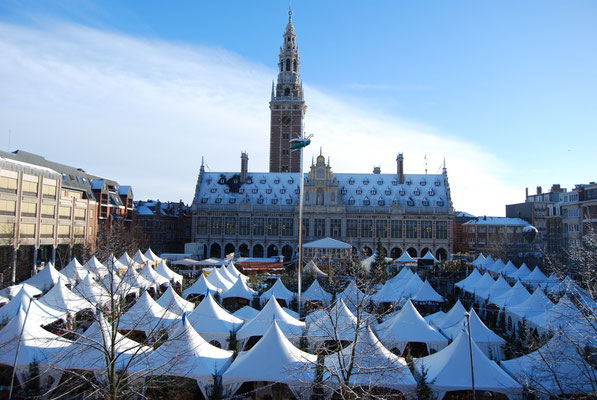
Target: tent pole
[[470, 347]]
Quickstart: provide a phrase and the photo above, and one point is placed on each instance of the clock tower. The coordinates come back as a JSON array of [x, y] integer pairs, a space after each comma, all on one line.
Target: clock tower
[[287, 106]]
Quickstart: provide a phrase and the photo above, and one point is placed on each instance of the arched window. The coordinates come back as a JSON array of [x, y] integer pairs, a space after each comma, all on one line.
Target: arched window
[[294, 66], [287, 92], [319, 199], [288, 64]]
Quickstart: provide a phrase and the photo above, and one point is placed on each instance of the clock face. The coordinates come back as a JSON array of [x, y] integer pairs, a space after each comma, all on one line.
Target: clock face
[[286, 120]]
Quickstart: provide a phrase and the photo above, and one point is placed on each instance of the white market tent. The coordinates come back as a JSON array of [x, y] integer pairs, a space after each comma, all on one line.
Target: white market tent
[[57, 303], [114, 265], [246, 313], [467, 283], [497, 266], [535, 278], [279, 291], [563, 315], [239, 290], [312, 269], [200, 287], [140, 258], [134, 279], [167, 273], [316, 293], [559, 368], [499, 287], [127, 260], [478, 262], [516, 295], [536, 304], [186, 354], [401, 277], [146, 315], [213, 322], [327, 248], [431, 319], [508, 269], [235, 272], [482, 284], [24, 335], [405, 258], [114, 284], [12, 291], [74, 271], [520, 273], [487, 340], [353, 297], [374, 365], [214, 277], [292, 327], [452, 317], [151, 275], [95, 266], [46, 278], [388, 293], [227, 274], [429, 257], [450, 370], [487, 263], [170, 300], [151, 256], [335, 324], [12, 308], [411, 287], [409, 326], [278, 360], [427, 294], [95, 294]]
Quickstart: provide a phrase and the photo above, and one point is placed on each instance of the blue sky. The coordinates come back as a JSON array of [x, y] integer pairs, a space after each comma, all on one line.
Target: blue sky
[[505, 91]]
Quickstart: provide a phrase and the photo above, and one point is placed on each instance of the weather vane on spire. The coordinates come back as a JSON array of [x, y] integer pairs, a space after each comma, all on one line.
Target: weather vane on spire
[[289, 11]]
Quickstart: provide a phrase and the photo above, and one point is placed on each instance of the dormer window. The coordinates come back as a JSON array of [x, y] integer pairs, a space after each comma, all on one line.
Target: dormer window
[[218, 200], [410, 202], [232, 200], [373, 191], [438, 183], [208, 181], [417, 192], [289, 201], [351, 202], [388, 192], [268, 191], [274, 201], [366, 202], [290, 181], [365, 181], [250, 181], [381, 202], [408, 182], [226, 190], [204, 200], [282, 191], [440, 203], [343, 191], [431, 192], [395, 183], [241, 190], [222, 181], [351, 181], [260, 200], [276, 181], [423, 182], [297, 191], [262, 181], [402, 192], [380, 182], [395, 202], [254, 191], [425, 202], [213, 190], [359, 191]]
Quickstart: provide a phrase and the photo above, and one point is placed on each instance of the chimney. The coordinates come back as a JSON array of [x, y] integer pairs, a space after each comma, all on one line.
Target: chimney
[[400, 162], [377, 170], [556, 187], [526, 193], [539, 191], [244, 166]]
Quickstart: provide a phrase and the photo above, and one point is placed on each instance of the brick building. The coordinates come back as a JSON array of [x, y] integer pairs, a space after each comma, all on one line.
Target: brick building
[[166, 226]]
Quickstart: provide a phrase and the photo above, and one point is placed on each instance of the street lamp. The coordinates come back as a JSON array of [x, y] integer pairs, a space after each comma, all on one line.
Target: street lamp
[[470, 347]]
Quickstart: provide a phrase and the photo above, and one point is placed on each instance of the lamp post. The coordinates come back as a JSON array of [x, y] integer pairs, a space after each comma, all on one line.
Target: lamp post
[[299, 144], [470, 347]]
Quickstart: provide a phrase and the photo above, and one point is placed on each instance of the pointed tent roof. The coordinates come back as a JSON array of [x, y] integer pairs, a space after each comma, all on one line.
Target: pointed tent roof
[[409, 326], [74, 271], [520, 272], [469, 281], [186, 354], [134, 279], [429, 256], [151, 256], [427, 294], [353, 296], [87, 351], [95, 266], [170, 300], [559, 367], [499, 287], [479, 260], [12, 291], [497, 266], [57, 303], [389, 293], [227, 274], [536, 304], [146, 315], [113, 283], [403, 276], [515, 295], [482, 284], [140, 258], [278, 360], [292, 327], [113, 264], [239, 290], [280, 291], [487, 263], [215, 278], [411, 287], [432, 318], [338, 323], [449, 370], [12, 308], [481, 333], [452, 317], [508, 269], [235, 272], [246, 313], [405, 258], [536, 277], [35, 344], [210, 317], [94, 293], [561, 316], [127, 260], [200, 287], [151, 275], [374, 365], [167, 273], [46, 278], [312, 268]]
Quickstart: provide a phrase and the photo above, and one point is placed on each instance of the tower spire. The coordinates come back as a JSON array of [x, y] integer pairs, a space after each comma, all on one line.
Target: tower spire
[[290, 12]]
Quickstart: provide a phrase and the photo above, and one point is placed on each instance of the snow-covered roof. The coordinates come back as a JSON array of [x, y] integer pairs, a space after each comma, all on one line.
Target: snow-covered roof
[[10, 309], [212, 321], [426, 294], [281, 188], [46, 278], [246, 313], [239, 290], [171, 301], [468, 282], [503, 221], [516, 295], [146, 315], [292, 327], [486, 339], [280, 291], [536, 304], [327, 243], [200, 287], [316, 293], [167, 273], [336, 324]]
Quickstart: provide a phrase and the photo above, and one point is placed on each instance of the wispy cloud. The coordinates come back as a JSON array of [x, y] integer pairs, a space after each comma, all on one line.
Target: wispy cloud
[[383, 87], [144, 112]]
